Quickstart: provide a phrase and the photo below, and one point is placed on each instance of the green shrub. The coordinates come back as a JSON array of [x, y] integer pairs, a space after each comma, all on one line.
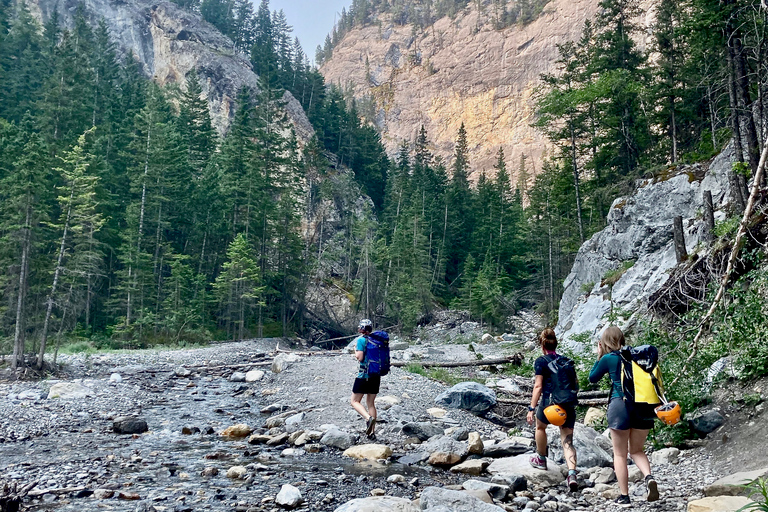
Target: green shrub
[[416, 368], [757, 492]]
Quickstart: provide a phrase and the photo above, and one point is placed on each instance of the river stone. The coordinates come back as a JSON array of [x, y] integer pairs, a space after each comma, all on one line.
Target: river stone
[[498, 491], [68, 390], [436, 412], [368, 452], [209, 471], [506, 448], [278, 439], [445, 451], [103, 494], [592, 449], [594, 416], [604, 476], [384, 403], [436, 498], [704, 422], [479, 494], [129, 425], [237, 377], [283, 361], [733, 485], [259, 439], [516, 483], [398, 345], [236, 472], [295, 419], [30, 394], [422, 429], [473, 467], [115, 378], [520, 465], [238, 431], [182, 372], [475, 443], [378, 504], [254, 376], [289, 497], [665, 456], [295, 436], [128, 496], [274, 422], [719, 504], [470, 396], [337, 438], [487, 339], [634, 474]]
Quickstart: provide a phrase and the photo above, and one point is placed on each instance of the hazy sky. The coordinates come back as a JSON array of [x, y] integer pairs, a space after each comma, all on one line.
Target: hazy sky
[[311, 20]]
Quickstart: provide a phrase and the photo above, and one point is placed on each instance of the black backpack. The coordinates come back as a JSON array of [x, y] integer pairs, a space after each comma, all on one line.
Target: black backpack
[[565, 383]]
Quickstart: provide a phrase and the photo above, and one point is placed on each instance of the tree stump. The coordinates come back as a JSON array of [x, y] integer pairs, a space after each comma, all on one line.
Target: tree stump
[[680, 251], [709, 216], [11, 497]]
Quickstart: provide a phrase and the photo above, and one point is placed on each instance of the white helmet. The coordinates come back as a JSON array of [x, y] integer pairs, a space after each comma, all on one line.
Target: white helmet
[[365, 325]]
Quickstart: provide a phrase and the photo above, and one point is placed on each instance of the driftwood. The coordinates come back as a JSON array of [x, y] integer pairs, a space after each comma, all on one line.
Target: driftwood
[[60, 490], [11, 497], [515, 359], [590, 402]]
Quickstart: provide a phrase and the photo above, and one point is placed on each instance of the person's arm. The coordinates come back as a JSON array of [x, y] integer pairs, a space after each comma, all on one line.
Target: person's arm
[[360, 349], [599, 369], [538, 386], [359, 355]]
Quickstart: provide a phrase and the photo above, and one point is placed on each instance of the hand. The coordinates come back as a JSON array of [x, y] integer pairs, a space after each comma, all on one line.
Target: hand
[[530, 417], [599, 349]]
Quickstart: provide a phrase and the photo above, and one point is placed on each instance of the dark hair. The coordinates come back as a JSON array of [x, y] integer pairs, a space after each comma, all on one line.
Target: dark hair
[[547, 339]]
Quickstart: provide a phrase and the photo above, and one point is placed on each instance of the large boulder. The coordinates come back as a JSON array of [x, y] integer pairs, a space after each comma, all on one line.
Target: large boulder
[[368, 452], [733, 485], [378, 504], [498, 491], [337, 438], [470, 396], [592, 449], [507, 448], [719, 504], [281, 362], [69, 390], [704, 422], [129, 425], [289, 497], [473, 467], [437, 498], [422, 429], [445, 451], [520, 465], [238, 431]]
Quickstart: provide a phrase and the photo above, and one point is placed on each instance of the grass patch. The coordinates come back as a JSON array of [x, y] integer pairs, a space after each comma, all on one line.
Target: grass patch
[[612, 276]]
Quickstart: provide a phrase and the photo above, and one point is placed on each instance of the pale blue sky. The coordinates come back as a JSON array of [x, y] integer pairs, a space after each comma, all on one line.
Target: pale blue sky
[[311, 19]]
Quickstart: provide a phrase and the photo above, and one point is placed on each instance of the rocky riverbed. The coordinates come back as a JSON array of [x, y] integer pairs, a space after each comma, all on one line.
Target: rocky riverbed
[[287, 436]]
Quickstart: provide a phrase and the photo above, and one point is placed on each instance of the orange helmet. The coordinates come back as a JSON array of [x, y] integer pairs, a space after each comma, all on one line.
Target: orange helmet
[[555, 415], [669, 413]]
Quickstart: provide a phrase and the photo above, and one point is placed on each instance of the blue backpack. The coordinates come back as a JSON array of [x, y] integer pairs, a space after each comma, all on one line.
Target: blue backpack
[[377, 353]]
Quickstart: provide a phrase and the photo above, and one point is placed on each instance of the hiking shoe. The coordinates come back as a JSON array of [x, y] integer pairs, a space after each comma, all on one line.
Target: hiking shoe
[[623, 501], [572, 482], [653, 488], [538, 462], [370, 424]]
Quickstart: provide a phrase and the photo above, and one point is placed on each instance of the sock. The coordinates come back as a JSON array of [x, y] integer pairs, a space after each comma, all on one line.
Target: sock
[[571, 472]]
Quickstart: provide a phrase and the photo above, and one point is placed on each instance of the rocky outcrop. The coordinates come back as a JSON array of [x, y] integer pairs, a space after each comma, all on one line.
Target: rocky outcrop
[[456, 71], [638, 241], [169, 42]]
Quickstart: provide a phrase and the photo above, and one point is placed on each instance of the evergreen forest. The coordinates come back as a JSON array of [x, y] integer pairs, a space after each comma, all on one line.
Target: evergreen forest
[[127, 221]]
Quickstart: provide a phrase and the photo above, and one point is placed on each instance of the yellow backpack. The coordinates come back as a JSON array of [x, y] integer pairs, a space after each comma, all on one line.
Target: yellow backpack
[[640, 375]]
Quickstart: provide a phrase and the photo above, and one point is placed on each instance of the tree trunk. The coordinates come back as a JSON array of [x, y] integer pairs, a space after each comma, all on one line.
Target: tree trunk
[[680, 251], [709, 216], [576, 182], [18, 337]]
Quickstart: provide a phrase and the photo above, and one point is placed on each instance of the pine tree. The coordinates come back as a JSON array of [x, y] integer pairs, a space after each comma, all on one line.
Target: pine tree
[[460, 216], [238, 288]]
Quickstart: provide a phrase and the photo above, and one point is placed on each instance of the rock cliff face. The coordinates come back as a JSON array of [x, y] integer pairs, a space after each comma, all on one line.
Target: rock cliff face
[[459, 71], [639, 236], [169, 43]]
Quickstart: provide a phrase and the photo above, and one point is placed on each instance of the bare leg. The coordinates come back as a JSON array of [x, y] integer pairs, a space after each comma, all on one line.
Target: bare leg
[[566, 437], [620, 439], [355, 401], [370, 400], [541, 438], [636, 450]]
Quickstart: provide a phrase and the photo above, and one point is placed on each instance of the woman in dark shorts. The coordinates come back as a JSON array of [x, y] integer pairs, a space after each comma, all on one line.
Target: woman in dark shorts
[[629, 423], [365, 384]]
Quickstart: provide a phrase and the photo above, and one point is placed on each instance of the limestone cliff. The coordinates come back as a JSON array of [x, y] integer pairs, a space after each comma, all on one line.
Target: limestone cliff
[[169, 43], [638, 240], [457, 71]]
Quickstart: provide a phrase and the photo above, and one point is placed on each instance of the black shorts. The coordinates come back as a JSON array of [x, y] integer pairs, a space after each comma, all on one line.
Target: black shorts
[[624, 417], [369, 386], [570, 415]]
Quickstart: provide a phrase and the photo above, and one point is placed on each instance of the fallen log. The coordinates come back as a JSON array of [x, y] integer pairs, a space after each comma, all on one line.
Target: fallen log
[[516, 359], [581, 395], [58, 490], [590, 402]]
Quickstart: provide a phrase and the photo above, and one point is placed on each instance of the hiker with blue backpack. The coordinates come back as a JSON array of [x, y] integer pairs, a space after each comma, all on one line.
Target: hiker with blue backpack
[[635, 389], [554, 402], [372, 354]]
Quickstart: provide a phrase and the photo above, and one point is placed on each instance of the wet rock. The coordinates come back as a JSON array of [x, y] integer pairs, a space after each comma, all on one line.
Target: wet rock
[[188, 431], [498, 491], [103, 494], [458, 433], [368, 452], [278, 439], [733, 485], [445, 499], [507, 448], [516, 483], [283, 361], [719, 504], [519, 465], [209, 472], [378, 504], [289, 497], [254, 376], [473, 467], [237, 472], [237, 377], [704, 422], [68, 390], [665, 456], [337, 438], [274, 422], [470, 396], [129, 425], [445, 451], [130, 496], [238, 431], [422, 429], [475, 443]]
